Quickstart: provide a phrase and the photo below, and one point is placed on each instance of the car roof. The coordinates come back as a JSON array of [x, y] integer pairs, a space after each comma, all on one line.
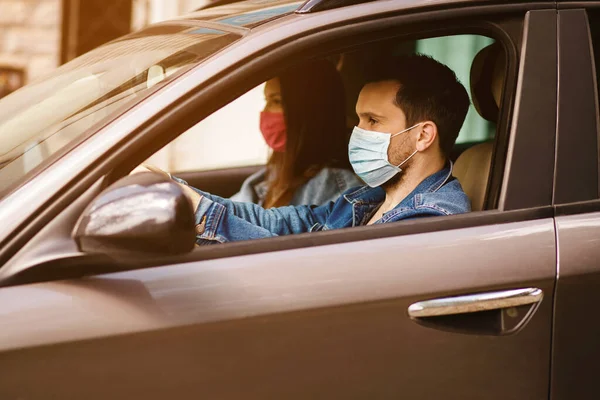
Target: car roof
[[250, 13], [245, 14]]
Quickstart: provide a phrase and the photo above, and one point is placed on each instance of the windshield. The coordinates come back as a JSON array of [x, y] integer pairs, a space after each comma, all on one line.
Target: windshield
[[44, 116]]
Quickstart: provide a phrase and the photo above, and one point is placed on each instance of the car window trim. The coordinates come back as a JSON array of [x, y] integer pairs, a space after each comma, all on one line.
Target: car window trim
[[354, 234], [565, 5], [582, 207]]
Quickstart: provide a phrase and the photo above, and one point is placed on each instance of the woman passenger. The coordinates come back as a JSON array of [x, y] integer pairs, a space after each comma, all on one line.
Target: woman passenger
[[304, 123]]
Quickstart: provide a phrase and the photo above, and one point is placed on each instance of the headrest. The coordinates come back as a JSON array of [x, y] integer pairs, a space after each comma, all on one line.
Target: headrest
[[482, 75]]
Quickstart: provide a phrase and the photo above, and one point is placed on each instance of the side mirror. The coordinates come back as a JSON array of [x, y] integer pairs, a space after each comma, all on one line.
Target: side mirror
[[141, 215]]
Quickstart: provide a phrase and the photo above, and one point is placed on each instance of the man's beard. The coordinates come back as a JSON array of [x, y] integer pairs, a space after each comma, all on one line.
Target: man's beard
[[401, 154]]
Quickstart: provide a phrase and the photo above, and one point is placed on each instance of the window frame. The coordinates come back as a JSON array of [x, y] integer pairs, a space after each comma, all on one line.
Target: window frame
[[502, 144], [578, 129]]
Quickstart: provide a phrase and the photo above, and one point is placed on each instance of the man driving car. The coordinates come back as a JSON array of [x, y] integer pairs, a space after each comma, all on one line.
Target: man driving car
[[410, 114]]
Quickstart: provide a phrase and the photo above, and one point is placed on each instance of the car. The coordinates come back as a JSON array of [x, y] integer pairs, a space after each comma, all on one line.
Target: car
[[118, 302]]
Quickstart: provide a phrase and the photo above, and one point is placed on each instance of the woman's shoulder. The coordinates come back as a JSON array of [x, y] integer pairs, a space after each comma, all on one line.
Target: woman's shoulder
[[343, 178], [253, 188], [327, 185]]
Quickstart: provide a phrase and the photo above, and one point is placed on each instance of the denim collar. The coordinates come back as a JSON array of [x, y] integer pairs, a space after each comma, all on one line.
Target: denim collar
[[366, 200], [434, 182]]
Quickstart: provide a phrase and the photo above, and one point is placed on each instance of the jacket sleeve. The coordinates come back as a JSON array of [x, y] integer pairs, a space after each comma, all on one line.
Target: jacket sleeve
[[222, 220]]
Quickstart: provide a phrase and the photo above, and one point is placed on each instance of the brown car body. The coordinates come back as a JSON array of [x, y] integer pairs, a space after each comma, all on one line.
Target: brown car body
[[327, 315]]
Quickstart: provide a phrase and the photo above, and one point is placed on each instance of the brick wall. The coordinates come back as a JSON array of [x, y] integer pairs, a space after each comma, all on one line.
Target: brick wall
[[30, 35]]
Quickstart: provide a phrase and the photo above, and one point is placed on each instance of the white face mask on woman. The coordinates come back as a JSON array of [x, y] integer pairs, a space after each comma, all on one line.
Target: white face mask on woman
[[368, 153]]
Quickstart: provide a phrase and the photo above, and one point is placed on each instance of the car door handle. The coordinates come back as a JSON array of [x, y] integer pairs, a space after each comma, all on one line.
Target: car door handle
[[475, 302], [498, 312]]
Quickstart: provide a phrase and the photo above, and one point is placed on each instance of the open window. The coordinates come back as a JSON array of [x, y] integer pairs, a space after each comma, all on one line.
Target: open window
[[221, 146], [222, 150]]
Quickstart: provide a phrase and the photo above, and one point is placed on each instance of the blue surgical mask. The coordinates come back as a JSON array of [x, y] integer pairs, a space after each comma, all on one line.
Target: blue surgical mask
[[368, 153]]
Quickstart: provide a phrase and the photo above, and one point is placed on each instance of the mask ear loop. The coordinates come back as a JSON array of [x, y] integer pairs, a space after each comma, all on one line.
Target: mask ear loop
[[415, 152], [403, 162], [448, 177], [406, 130]]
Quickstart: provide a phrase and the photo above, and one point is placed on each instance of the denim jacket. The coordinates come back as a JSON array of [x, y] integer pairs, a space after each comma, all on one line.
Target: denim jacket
[[327, 185], [221, 220]]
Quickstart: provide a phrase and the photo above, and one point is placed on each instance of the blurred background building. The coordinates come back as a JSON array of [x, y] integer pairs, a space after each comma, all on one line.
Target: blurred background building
[[36, 36], [30, 39]]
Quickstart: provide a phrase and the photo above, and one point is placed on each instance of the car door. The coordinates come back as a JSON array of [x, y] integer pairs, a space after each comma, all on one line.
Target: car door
[[576, 331], [330, 314]]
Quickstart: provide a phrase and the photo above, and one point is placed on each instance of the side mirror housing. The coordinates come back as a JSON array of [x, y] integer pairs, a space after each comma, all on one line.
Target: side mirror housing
[[141, 215]]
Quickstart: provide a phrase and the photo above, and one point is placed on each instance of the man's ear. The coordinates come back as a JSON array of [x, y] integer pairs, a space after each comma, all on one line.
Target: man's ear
[[428, 134]]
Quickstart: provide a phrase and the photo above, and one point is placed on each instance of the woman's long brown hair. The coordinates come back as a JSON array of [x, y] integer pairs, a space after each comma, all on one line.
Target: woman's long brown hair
[[314, 109]]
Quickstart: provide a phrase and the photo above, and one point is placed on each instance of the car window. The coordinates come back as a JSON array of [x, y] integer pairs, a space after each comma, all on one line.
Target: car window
[[230, 137], [41, 118], [458, 52]]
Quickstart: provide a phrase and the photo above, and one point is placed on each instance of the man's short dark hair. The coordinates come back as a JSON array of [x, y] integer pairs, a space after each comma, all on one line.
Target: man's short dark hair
[[429, 91]]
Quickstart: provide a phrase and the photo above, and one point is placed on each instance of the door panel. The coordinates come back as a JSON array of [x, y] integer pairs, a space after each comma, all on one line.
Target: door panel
[[328, 321], [576, 327]]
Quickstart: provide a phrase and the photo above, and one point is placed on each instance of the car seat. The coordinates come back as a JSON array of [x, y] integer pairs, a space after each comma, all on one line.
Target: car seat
[[472, 168]]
